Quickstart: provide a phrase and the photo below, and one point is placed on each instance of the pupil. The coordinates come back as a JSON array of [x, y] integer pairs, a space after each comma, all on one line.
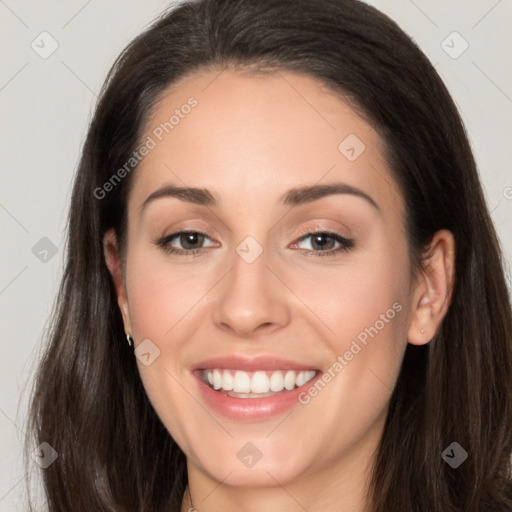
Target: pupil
[[316, 239], [189, 239]]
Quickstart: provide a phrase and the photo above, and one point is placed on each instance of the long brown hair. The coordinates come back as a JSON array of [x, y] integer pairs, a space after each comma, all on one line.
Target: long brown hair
[[88, 401]]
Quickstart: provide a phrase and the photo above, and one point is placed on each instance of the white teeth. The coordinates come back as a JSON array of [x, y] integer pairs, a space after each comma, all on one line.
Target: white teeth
[[277, 381], [241, 382], [289, 380], [227, 381], [309, 374], [259, 382], [217, 379]]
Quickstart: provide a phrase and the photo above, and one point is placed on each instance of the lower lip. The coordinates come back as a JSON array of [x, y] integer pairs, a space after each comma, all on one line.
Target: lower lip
[[252, 409]]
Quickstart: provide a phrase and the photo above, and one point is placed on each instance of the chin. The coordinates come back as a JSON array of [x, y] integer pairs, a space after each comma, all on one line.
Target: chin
[[257, 463]]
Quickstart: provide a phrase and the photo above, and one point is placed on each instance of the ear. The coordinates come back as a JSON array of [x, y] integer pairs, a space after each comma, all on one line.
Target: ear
[[113, 261], [433, 291]]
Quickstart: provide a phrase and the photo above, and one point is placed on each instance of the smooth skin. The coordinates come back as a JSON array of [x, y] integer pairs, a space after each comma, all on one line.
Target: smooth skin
[[249, 140]]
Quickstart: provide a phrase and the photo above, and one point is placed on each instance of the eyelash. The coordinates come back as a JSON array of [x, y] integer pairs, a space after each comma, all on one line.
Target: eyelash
[[346, 243]]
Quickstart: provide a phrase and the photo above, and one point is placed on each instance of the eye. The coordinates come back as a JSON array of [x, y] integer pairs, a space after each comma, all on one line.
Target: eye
[[326, 240], [191, 243], [189, 240]]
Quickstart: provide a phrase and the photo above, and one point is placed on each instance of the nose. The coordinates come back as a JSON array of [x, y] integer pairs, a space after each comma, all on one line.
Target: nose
[[252, 298]]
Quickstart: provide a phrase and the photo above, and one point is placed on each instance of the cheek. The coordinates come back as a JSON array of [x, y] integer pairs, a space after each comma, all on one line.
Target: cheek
[[350, 299], [364, 322], [160, 294], [162, 299]]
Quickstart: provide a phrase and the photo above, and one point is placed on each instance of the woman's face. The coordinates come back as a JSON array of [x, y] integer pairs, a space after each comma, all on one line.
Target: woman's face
[[264, 302]]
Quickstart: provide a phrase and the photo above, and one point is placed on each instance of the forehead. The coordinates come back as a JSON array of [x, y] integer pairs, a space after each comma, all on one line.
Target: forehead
[[253, 137]]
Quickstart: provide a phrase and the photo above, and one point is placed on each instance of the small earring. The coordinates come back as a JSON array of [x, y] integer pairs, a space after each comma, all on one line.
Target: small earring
[[130, 339], [422, 331]]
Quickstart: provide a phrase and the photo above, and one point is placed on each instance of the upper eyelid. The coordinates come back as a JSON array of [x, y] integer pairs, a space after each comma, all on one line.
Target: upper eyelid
[[314, 229], [301, 236]]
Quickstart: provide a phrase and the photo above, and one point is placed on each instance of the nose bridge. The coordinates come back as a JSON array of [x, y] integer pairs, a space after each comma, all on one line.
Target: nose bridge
[[250, 296], [249, 281]]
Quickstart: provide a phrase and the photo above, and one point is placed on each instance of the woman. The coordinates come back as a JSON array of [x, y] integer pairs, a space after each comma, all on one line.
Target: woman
[[283, 290]]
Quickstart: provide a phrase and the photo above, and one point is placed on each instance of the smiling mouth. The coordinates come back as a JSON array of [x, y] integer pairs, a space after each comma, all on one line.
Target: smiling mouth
[[257, 384]]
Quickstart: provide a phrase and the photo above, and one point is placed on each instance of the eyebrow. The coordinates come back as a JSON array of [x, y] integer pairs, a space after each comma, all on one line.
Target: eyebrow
[[293, 197]]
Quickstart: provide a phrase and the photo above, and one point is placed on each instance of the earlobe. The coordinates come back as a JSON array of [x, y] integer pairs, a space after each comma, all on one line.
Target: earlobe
[[113, 262], [432, 295]]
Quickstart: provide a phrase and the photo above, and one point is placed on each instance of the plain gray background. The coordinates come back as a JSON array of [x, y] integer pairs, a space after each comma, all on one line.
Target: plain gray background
[[46, 104]]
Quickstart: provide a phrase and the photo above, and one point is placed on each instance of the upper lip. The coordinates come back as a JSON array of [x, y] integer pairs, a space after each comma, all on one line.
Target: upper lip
[[251, 364]]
